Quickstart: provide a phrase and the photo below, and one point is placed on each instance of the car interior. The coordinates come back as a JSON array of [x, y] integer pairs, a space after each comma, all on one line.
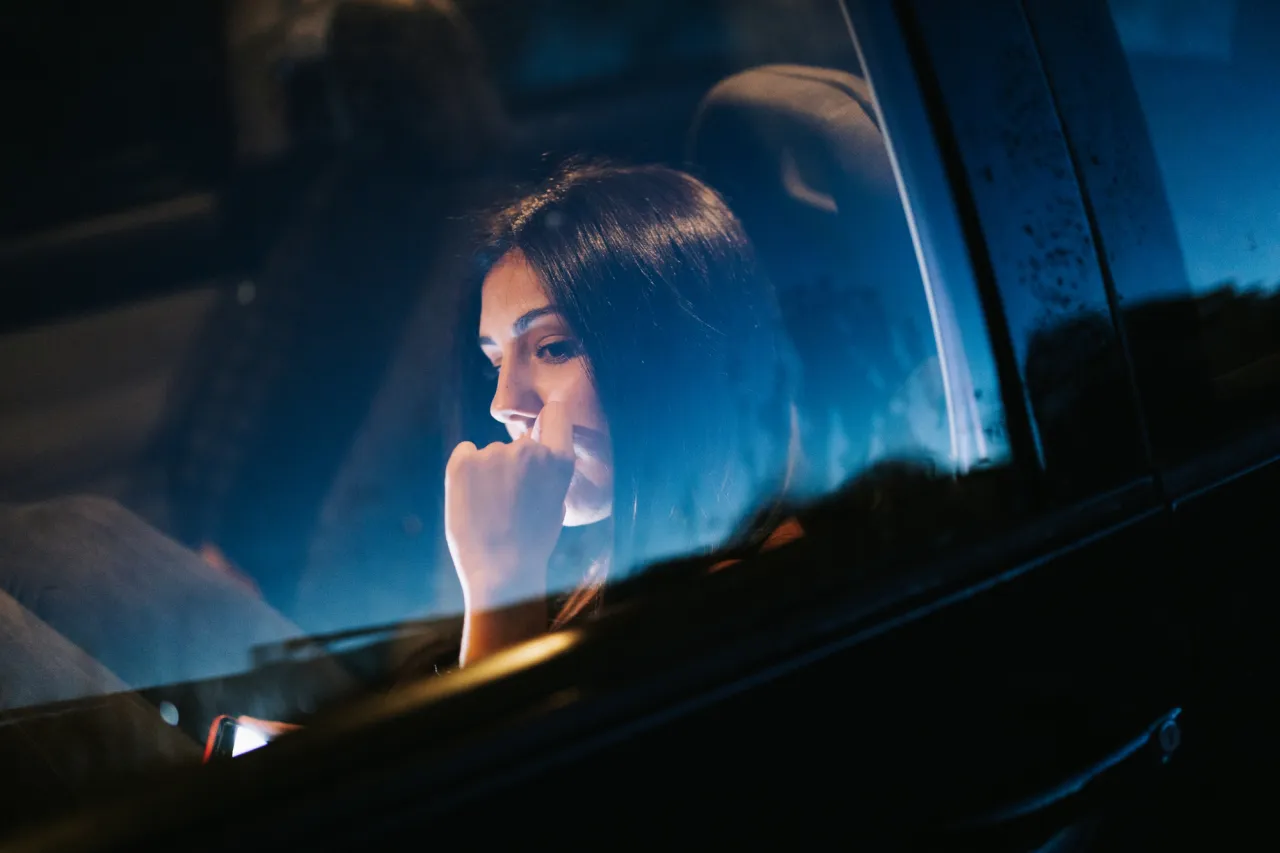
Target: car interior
[[271, 405]]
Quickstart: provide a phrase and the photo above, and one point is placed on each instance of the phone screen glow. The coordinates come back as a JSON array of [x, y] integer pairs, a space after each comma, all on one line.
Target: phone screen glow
[[247, 740]]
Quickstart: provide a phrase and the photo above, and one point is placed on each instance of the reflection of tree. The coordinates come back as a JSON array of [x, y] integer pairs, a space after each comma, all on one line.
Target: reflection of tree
[[1198, 362], [1201, 364], [900, 510], [1207, 363], [1239, 327], [1081, 400]]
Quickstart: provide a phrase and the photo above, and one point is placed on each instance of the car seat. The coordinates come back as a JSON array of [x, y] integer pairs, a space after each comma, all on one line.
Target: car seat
[[797, 153]]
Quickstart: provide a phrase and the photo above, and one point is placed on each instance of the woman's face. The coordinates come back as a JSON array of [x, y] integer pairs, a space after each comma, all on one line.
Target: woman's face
[[538, 361]]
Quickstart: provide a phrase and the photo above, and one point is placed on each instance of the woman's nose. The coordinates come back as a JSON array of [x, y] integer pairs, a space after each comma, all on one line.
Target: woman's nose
[[514, 403]]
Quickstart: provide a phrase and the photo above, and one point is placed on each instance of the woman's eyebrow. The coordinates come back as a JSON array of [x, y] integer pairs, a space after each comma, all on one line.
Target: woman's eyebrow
[[522, 323]]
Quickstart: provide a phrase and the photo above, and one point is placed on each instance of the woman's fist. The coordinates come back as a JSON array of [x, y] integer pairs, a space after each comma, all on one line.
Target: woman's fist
[[503, 510]]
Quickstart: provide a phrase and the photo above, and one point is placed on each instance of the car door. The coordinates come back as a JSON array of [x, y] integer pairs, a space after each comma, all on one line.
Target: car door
[[980, 648], [1170, 118]]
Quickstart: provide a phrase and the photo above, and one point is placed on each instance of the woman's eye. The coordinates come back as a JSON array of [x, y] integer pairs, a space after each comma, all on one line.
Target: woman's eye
[[558, 352], [490, 371]]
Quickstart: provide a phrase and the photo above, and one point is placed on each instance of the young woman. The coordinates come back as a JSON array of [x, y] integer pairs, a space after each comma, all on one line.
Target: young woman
[[638, 363]]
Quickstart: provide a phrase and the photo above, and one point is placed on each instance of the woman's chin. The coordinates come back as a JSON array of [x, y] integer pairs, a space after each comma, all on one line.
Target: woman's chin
[[580, 514], [590, 499]]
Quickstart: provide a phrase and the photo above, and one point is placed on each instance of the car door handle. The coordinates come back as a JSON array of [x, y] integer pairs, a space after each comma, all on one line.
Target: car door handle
[[1058, 806]]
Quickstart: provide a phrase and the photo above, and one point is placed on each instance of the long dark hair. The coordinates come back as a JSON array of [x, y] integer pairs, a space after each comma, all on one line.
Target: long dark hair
[[684, 342]]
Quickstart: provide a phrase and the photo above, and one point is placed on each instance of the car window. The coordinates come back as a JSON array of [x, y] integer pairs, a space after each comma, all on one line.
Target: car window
[[1199, 69], [506, 304], [1201, 72]]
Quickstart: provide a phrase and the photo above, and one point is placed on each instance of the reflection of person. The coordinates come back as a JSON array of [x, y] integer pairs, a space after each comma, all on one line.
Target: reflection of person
[[141, 605], [96, 603], [642, 377]]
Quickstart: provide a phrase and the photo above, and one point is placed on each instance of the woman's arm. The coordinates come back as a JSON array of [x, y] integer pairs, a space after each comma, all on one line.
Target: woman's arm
[[485, 630], [502, 607]]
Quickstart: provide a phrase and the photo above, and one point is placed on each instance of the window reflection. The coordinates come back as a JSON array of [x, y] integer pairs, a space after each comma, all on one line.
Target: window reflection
[[1202, 74], [1203, 77]]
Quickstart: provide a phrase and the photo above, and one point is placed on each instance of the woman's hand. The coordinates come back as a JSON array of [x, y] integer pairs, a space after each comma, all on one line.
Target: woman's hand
[[504, 508]]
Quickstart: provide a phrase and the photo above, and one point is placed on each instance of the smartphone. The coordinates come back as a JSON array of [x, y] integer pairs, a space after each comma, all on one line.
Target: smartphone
[[228, 738]]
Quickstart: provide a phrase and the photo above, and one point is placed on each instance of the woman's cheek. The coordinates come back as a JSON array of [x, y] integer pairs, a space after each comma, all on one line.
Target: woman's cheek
[[577, 392], [593, 413]]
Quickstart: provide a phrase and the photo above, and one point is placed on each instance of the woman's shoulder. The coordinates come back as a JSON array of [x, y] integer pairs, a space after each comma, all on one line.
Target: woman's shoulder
[[789, 530]]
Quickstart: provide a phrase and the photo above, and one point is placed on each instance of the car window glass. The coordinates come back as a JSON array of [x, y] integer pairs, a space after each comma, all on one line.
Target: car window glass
[[652, 255], [1202, 72]]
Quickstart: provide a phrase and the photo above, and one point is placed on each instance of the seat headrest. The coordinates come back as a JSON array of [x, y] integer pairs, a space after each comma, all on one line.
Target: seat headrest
[[799, 156]]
